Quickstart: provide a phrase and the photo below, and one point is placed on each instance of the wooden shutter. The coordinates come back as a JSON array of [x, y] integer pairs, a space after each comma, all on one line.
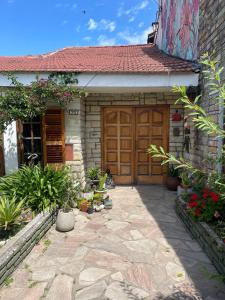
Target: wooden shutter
[[53, 137]]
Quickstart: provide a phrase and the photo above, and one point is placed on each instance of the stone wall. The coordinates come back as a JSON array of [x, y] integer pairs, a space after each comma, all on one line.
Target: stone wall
[[93, 104], [75, 137], [19, 246], [211, 40]]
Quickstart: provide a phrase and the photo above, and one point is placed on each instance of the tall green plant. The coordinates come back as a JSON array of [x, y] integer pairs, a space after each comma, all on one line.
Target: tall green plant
[[40, 188], [10, 212], [199, 116]]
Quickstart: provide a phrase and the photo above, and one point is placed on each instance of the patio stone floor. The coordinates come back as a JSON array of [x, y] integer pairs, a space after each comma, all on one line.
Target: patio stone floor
[[138, 250]]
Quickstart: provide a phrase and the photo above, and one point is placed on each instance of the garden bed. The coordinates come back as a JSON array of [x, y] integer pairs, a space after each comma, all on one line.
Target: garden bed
[[213, 246], [19, 246]]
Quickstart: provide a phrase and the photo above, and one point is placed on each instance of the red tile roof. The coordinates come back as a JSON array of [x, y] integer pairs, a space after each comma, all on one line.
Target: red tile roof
[[113, 59]]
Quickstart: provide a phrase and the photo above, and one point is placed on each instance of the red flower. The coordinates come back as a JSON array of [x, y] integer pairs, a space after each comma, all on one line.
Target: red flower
[[193, 204], [214, 197], [194, 197], [206, 191], [197, 212], [205, 195], [224, 240]]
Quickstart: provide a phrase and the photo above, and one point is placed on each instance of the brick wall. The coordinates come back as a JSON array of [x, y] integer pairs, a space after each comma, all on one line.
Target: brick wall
[[212, 40], [93, 105]]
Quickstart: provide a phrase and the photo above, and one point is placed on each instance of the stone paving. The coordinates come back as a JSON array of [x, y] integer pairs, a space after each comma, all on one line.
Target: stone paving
[[138, 250]]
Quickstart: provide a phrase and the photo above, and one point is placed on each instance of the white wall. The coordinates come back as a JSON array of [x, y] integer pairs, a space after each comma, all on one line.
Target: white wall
[[10, 148], [103, 82]]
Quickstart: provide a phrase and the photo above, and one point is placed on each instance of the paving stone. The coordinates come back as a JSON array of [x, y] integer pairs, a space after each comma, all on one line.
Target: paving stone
[[136, 235], [122, 291], [73, 268], [61, 288], [143, 246], [80, 253], [94, 291], [175, 271], [107, 260], [116, 225], [35, 292], [43, 274], [91, 275], [132, 247], [117, 276], [139, 275]]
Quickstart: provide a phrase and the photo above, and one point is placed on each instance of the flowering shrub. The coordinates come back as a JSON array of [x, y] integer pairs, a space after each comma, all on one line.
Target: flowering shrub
[[205, 206], [22, 103]]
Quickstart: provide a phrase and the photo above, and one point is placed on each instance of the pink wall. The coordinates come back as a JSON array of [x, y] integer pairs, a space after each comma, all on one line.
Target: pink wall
[[178, 28]]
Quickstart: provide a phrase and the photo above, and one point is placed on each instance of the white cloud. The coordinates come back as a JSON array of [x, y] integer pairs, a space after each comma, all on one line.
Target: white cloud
[[103, 24], [141, 24], [131, 19], [105, 41], [134, 10], [87, 38], [107, 25], [92, 25], [135, 38]]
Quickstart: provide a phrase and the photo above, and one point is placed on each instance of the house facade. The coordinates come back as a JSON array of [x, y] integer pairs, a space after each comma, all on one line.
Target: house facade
[[188, 29], [129, 106]]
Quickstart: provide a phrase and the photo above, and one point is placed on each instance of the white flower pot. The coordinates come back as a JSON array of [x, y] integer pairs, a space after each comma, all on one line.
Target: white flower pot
[[65, 221]]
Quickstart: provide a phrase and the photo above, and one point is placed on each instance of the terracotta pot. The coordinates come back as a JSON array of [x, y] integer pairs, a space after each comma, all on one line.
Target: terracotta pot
[[65, 220], [172, 183], [84, 207]]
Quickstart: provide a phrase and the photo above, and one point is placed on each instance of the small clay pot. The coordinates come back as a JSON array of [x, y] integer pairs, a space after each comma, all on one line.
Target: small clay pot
[[84, 207], [172, 183]]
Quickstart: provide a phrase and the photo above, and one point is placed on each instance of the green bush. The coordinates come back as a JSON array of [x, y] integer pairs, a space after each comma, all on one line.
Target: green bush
[[10, 212], [39, 188]]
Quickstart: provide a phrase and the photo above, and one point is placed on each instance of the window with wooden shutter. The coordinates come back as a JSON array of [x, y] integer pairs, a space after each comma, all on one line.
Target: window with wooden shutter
[[53, 137]]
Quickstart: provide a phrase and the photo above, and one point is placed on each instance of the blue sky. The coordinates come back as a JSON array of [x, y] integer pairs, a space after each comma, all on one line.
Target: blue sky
[[40, 26]]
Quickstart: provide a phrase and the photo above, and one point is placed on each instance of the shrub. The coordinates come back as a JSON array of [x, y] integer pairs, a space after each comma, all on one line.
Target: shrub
[[93, 173], [39, 188], [10, 212], [205, 206]]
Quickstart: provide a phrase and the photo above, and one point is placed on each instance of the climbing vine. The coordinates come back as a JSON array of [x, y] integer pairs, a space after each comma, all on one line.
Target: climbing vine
[[20, 102]]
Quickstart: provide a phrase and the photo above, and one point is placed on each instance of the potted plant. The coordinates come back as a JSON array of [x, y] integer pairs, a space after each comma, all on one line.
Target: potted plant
[[65, 220], [93, 174], [98, 202], [185, 186], [83, 205], [107, 203], [101, 187], [172, 180]]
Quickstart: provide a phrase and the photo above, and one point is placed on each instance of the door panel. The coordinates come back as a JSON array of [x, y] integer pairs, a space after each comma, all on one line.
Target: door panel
[[151, 128], [127, 134], [118, 143]]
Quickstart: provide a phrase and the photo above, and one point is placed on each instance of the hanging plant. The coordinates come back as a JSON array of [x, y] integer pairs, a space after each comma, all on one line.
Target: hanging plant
[[19, 102]]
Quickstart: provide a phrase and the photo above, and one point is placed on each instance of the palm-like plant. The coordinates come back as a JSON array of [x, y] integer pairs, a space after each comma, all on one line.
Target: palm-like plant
[[10, 212]]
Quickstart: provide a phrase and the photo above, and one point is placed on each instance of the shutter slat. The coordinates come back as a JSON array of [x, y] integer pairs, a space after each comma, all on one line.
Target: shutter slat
[[54, 143]]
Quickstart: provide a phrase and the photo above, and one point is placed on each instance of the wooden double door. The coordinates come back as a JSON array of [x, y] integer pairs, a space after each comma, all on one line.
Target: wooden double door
[[126, 135]]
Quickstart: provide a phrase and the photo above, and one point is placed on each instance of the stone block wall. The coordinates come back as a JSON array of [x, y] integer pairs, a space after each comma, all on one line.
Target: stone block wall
[[93, 104], [75, 136], [211, 40]]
